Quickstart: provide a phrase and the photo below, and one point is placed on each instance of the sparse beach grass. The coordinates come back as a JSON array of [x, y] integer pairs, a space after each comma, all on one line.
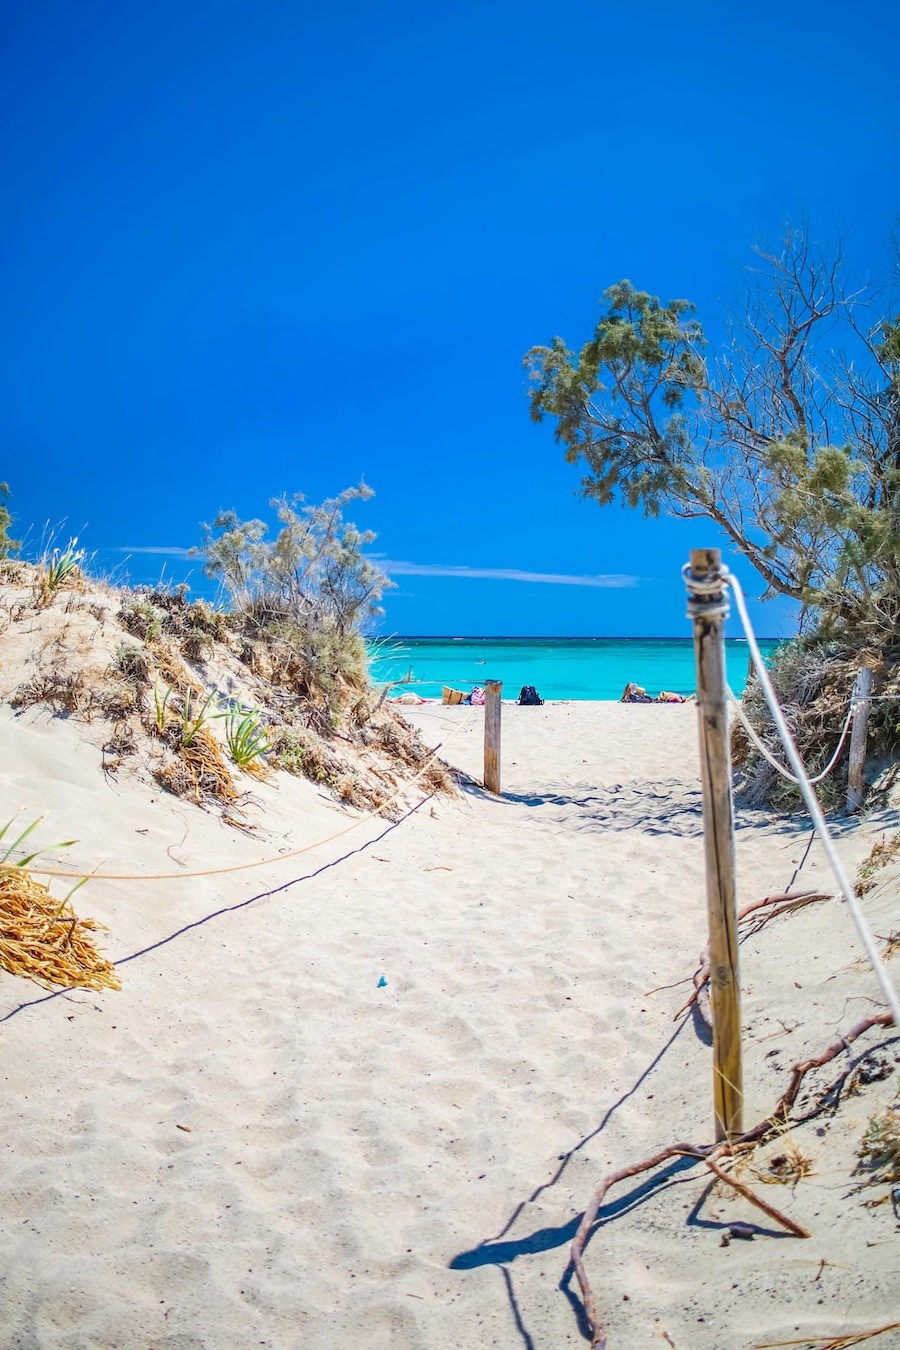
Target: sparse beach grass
[[165, 675]]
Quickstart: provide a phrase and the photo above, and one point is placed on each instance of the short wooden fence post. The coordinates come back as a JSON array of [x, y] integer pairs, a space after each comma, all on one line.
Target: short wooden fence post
[[707, 607], [492, 689], [859, 735]]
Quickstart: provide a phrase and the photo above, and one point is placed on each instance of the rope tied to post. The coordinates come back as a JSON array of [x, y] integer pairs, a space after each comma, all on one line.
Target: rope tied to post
[[813, 806], [707, 594], [767, 754]]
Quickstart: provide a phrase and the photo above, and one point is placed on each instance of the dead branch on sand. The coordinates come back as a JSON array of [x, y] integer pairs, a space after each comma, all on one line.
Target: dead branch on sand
[[772, 1125], [783, 902]]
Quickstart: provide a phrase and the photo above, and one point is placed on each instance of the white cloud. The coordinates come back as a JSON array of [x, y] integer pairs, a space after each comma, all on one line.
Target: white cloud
[[173, 552], [610, 581], [398, 568]]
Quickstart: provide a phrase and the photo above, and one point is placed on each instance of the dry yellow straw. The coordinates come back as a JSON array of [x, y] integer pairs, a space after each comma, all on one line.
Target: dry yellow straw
[[42, 939]]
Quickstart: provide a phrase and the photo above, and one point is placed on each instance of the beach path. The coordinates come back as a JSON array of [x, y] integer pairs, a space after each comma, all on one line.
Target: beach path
[[369, 1109]]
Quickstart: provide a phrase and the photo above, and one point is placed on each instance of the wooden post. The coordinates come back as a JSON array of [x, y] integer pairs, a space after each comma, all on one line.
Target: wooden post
[[707, 606], [859, 735], [492, 690]]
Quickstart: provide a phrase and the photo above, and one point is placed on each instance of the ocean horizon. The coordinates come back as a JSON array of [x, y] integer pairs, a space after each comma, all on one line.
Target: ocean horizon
[[559, 667]]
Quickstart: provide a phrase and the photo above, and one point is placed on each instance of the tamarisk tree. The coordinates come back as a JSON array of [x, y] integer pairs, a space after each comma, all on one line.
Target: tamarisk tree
[[7, 545], [786, 435], [313, 573]]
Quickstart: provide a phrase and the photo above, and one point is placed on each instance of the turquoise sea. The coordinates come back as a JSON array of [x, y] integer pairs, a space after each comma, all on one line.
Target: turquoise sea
[[578, 668]]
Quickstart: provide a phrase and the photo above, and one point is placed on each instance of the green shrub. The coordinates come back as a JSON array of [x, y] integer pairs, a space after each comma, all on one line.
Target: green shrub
[[311, 588], [141, 618], [7, 544], [132, 663]]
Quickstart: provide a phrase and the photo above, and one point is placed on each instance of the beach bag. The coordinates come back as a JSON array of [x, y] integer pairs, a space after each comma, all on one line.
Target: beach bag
[[529, 697], [476, 698], [452, 696]]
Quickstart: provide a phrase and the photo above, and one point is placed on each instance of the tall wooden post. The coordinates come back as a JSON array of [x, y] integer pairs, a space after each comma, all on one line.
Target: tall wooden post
[[708, 606], [492, 690], [859, 735]]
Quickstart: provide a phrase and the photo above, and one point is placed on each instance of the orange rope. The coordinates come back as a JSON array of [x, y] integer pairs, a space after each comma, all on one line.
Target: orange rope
[[233, 867]]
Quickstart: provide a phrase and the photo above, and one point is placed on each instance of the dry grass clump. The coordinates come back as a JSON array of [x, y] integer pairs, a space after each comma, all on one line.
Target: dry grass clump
[[786, 1166], [891, 944], [205, 762], [43, 939], [882, 853], [117, 700], [814, 682], [83, 692], [313, 712], [358, 791], [11, 570], [879, 1148], [133, 664], [197, 769], [175, 672], [139, 617], [198, 777], [120, 744], [197, 647], [303, 754], [367, 781], [63, 691], [180, 617], [150, 615], [272, 657], [404, 745]]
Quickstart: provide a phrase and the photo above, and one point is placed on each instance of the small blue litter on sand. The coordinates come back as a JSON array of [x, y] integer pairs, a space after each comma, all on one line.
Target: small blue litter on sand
[[382, 983]]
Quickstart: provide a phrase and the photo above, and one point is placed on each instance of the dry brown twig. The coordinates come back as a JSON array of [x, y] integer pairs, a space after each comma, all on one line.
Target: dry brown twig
[[783, 902], [773, 1124], [796, 1228], [836, 1342]]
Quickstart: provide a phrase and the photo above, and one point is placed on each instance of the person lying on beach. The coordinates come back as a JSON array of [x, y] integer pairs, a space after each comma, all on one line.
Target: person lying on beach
[[635, 693]]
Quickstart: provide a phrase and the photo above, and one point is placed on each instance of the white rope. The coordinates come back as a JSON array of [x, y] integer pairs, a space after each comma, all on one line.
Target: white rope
[[812, 805], [766, 753]]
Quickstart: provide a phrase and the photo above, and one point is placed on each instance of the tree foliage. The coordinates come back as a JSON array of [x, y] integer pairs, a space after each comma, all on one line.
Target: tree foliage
[[313, 573], [7, 544], [787, 435]]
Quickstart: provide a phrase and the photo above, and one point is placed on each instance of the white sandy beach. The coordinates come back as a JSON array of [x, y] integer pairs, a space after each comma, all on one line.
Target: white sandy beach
[[255, 1144]]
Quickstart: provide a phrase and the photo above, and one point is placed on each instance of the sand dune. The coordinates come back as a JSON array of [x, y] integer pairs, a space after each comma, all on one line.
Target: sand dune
[[258, 1143]]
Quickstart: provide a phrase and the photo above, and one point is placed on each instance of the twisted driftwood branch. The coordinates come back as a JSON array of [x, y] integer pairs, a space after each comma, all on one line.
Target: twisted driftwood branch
[[790, 1224], [783, 902], [709, 1153]]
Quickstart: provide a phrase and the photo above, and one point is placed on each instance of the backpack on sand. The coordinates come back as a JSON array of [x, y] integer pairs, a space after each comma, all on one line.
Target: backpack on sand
[[529, 697]]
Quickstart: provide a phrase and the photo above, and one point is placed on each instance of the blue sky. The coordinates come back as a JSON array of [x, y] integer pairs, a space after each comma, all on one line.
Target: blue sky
[[250, 249]]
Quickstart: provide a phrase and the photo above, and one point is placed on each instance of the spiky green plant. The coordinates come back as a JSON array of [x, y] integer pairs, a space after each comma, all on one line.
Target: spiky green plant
[[159, 705], [191, 720], [63, 563], [11, 848], [6, 863], [246, 737]]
